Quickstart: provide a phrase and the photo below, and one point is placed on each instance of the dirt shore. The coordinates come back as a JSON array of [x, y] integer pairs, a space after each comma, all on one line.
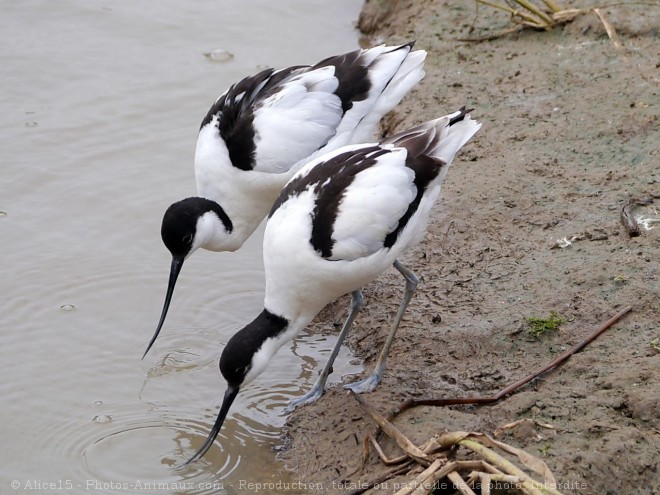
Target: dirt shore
[[570, 132]]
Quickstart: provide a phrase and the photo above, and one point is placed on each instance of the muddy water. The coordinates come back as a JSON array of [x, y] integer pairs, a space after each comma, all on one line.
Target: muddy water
[[99, 109]]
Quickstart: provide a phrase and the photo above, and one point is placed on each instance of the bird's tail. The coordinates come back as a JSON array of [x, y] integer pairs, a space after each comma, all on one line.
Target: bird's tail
[[392, 72], [408, 73], [439, 138]]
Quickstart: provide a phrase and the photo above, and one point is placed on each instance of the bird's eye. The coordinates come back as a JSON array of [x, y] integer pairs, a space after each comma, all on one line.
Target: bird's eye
[[187, 239]]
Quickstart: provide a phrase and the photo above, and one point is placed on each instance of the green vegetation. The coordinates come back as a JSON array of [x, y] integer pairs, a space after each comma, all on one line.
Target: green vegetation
[[538, 326]]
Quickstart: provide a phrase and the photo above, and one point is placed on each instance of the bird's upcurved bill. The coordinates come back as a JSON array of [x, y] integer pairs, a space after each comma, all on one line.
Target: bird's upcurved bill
[[177, 263], [230, 395]]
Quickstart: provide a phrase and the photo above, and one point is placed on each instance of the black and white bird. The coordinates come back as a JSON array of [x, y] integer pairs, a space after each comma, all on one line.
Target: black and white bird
[[340, 222], [264, 128]]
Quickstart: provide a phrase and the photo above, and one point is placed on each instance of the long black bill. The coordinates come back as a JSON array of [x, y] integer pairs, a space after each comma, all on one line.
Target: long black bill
[[230, 395], [177, 263]]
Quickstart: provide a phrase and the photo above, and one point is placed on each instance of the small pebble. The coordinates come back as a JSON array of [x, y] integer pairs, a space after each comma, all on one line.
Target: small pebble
[[67, 307]]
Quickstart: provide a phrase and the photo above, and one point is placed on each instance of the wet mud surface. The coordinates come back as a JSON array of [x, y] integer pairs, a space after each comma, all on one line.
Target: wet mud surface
[[529, 222]]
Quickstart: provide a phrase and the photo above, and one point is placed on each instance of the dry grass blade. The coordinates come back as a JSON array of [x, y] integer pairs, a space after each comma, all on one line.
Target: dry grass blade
[[552, 6], [530, 15], [547, 20], [609, 29], [524, 16], [564, 16]]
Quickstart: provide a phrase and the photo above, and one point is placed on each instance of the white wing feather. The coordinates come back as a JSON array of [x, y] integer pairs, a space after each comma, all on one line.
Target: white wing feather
[[372, 206], [297, 120]]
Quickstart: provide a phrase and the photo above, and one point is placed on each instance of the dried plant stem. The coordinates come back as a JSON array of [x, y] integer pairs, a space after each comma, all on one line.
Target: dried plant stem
[[532, 8], [388, 461], [532, 16], [421, 479], [438, 475], [527, 483], [609, 29], [492, 457], [393, 432], [390, 474], [501, 466], [552, 6], [523, 15], [460, 483]]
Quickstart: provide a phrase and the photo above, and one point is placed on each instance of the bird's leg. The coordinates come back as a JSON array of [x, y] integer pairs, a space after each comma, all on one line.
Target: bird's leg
[[371, 382], [319, 387]]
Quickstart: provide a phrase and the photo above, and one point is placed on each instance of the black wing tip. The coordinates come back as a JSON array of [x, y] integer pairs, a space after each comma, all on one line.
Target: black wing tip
[[409, 45], [461, 116]]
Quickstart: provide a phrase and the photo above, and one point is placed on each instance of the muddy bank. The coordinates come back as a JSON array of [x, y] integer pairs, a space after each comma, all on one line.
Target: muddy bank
[[570, 133]]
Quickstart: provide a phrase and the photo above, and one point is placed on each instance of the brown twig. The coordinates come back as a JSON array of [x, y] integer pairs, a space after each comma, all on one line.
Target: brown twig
[[410, 403]]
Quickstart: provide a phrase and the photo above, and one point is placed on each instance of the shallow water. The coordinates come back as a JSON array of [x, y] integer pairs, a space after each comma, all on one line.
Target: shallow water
[[99, 111]]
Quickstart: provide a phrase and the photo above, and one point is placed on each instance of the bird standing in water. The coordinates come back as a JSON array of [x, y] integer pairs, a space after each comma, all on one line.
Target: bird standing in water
[[259, 133], [340, 222]]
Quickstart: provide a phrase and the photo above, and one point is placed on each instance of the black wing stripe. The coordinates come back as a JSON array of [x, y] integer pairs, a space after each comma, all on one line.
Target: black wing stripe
[[354, 85], [426, 169], [342, 169], [235, 112]]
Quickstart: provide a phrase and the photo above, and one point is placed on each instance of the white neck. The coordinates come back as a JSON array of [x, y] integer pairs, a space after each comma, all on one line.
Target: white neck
[[211, 234], [270, 346], [246, 203]]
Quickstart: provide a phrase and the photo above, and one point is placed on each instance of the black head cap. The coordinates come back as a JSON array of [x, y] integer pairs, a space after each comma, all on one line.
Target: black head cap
[[180, 223], [236, 357]]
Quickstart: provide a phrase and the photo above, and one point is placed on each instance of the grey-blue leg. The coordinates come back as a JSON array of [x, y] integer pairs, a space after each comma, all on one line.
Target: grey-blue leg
[[319, 387], [372, 381]]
